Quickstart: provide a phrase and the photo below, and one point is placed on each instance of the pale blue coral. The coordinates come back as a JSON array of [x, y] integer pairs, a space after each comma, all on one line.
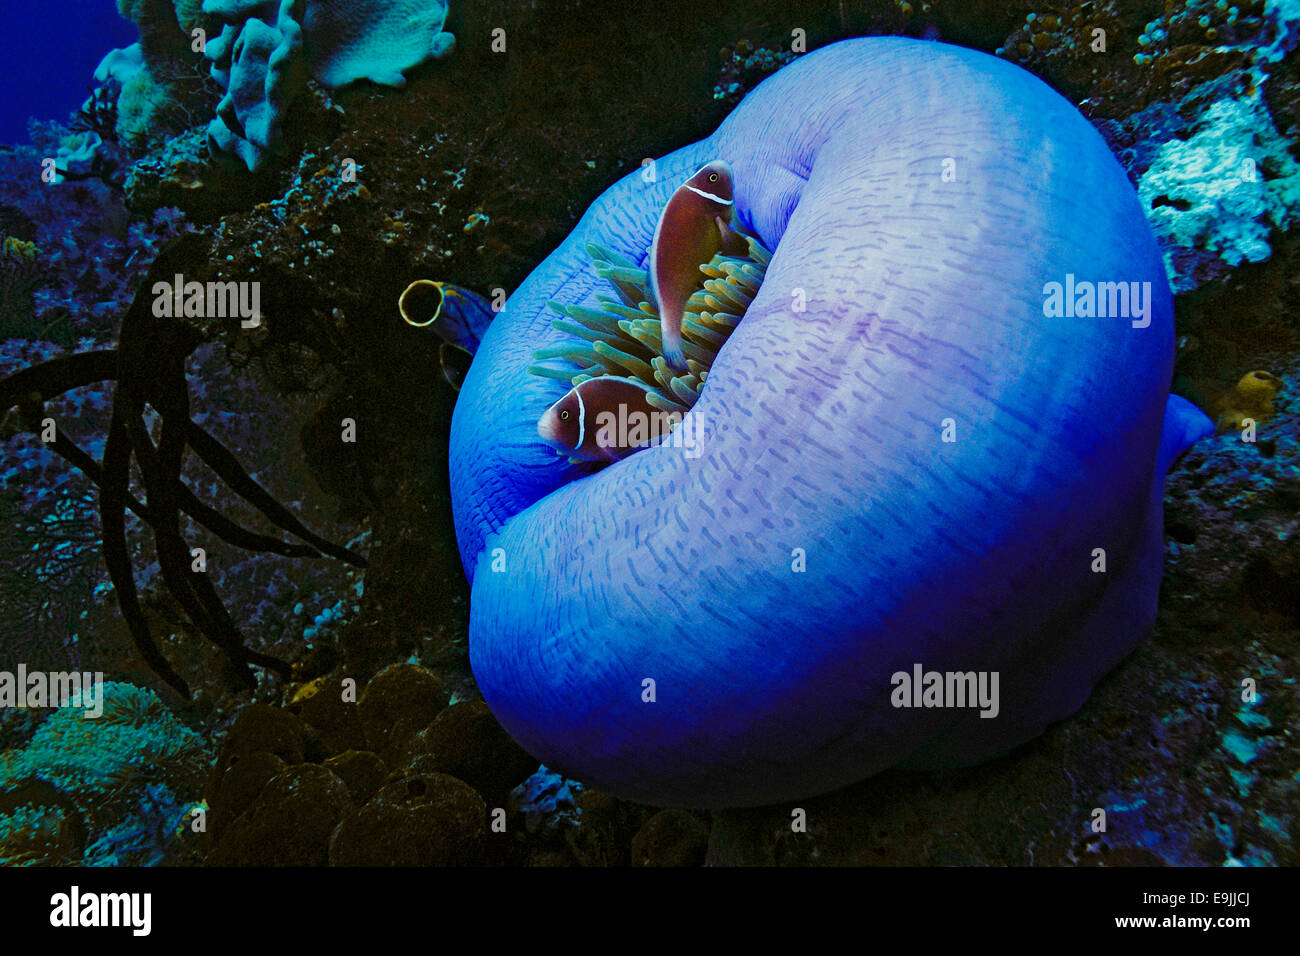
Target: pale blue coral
[[266, 50], [77, 153], [376, 40], [1223, 190], [262, 67]]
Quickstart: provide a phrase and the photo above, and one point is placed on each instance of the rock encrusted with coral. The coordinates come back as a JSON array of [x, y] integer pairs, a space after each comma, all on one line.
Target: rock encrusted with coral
[[124, 783], [267, 50], [1201, 105]]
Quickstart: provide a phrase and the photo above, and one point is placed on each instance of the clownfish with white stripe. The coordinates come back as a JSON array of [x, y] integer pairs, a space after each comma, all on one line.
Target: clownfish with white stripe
[[574, 425], [694, 226]]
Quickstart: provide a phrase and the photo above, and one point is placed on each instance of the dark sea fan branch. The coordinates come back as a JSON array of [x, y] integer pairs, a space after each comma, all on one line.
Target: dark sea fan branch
[[112, 521], [148, 367], [221, 460]]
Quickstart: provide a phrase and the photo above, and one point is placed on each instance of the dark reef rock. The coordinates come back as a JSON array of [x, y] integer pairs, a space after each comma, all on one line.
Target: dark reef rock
[[289, 824], [334, 719], [671, 838], [361, 770], [1234, 505], [466, 741], [424, 820], [233, 790], [263, 727], [607, 827], [395, 705]]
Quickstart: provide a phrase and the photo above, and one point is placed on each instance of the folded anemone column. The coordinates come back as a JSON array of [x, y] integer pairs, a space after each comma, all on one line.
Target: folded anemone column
[[910, 453]]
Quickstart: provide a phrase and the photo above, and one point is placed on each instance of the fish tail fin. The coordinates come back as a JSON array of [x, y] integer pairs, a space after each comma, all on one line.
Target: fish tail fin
[[1184, 425], [673, 354], [670, 334]]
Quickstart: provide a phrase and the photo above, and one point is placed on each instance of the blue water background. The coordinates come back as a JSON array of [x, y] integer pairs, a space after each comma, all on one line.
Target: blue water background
[[49, 49]]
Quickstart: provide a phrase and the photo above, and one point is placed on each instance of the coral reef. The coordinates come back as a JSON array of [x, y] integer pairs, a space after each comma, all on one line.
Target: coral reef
[[127, 777], [1185, 101], [153, 89], [136, 741], [466, 741], [744, 66], [149, 368], [1216, 196], [288, 823], [37, 835], [397, 702], [421, 820], [80, 157], [266, 51], [416, 792], [671, 838], [473, 174]]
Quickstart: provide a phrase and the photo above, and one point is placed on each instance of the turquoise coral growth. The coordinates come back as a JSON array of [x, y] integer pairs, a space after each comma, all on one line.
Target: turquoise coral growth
[[131, 774], [267, 50], [1223, 190], [261, 66]]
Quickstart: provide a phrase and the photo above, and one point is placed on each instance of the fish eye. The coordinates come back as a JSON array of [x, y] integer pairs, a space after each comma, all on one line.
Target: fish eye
[[713, 177], [564, 415]]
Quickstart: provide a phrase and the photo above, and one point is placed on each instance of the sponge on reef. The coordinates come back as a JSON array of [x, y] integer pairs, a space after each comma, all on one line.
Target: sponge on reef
[[264, 70], [1252, 398], [376, 40], [267, 49]]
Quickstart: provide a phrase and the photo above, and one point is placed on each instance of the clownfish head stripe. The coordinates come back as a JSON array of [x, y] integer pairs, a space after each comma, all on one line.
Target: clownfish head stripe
[[707, 195], [582, 417]]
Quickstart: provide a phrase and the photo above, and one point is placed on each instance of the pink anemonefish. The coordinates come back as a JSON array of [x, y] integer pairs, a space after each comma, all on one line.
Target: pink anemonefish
[[576, 426], [694, 226]]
